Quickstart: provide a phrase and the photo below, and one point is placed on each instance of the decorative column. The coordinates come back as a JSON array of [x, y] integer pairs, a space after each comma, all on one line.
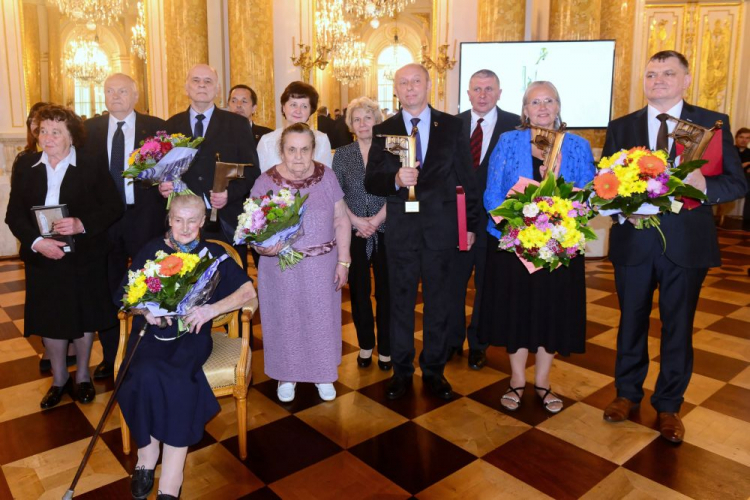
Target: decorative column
[[500, 20], [618, 21], [251, 53], [186, 30], [55, 55], [32, 53]]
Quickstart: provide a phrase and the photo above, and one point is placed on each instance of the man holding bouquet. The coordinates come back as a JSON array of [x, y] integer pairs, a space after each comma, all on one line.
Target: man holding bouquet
[[228, 136], [641, 261]]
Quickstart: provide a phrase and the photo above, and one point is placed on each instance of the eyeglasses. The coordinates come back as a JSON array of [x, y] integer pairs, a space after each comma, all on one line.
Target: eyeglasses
[[538, 102]]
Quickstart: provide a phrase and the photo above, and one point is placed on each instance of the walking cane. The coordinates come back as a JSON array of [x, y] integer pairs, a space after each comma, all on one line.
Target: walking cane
[[69, 494]]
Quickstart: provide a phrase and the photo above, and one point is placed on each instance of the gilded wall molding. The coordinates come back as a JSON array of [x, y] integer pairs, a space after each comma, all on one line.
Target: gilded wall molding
[[500, 20], [251, 53], [185, 26]]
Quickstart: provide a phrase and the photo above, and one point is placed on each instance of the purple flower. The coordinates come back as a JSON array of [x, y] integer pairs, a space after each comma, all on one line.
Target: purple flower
[[153, 284]]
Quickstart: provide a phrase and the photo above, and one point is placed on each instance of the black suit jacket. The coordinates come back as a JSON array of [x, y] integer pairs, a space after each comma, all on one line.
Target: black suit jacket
[[259, 131], [229, 135], [690, 234], [447, 164], [505, 121], [327, 125], [150, 205], [89, 193]]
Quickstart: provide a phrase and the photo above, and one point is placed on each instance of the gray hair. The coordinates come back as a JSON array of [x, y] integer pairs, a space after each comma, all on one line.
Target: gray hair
[[363, 103], [486, 73], [525, 123], [188, 201]]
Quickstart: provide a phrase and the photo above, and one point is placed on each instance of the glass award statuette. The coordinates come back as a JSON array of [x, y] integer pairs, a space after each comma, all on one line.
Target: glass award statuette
[[405, 147]]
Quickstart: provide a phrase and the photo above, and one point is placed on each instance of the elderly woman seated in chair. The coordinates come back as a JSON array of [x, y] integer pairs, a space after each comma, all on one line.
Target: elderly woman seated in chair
[[165, 396]]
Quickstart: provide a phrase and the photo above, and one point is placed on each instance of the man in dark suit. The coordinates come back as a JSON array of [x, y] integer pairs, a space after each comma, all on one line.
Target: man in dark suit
[[244, 101], [227, 135], [482, 125], [110, 139], [326, 124], [341, 133], [422, 245], [641, 262]]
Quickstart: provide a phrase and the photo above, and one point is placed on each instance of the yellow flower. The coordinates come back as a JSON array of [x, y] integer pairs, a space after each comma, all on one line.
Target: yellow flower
[[189, 261], [137, 289], [572, 237], [531, 237], [131, 160]]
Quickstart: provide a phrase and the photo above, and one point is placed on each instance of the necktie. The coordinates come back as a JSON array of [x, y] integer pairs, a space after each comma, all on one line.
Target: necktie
[[415, 133], [476, 143], [117, 159], [662, 139], [199, 126]]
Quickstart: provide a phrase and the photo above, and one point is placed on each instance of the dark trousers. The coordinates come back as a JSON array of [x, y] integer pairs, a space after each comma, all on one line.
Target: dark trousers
[[361, 291], [466, 262], [405, 268], [679, 288]]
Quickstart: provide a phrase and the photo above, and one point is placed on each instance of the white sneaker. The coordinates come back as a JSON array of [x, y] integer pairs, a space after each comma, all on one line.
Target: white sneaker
[[327, 392], [285, 391]]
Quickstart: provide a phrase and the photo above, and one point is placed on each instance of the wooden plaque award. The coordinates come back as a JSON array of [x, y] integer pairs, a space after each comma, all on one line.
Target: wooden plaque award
[[405, 147]]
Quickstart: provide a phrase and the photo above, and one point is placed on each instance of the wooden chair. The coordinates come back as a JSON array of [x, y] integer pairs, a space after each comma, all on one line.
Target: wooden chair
[[228, 367]]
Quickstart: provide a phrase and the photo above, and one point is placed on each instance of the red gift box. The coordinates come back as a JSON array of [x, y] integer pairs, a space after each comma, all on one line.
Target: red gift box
[[715, 157], [463, 243]]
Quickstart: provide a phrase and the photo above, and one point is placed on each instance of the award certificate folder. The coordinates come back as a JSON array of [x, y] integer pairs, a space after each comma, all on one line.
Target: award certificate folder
[[46, 216], [463, 244]]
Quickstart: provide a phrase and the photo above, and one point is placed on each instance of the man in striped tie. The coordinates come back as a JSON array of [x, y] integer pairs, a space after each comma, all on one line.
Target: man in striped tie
[[482, 124]]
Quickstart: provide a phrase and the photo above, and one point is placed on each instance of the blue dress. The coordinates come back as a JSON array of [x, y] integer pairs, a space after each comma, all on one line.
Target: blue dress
[[540, 309], [165, 393]]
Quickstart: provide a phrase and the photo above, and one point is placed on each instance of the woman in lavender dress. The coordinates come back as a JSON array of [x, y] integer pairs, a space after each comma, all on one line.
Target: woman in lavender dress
[[301, 307]]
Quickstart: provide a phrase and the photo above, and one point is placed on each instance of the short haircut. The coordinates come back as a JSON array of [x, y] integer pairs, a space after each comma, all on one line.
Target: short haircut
[[253, 95], [323, 110], [31, 137], [188, 201], [420, 66], [743, 130], [363, 103], [486, 73], [72, 121], [666, 54], [295, 128], [300, 90]]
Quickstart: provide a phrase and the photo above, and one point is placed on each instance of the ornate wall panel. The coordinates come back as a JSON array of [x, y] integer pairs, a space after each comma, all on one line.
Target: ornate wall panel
[[32, 56], [501, 20], [55, 55], [617, 20], [186, 45], [574, 19], [251, 53]]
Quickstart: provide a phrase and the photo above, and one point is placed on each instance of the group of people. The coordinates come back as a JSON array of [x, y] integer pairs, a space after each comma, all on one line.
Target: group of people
[[355, 225]]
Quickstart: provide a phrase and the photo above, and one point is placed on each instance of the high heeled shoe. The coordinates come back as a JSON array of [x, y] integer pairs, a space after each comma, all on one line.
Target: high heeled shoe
[[55, 394]]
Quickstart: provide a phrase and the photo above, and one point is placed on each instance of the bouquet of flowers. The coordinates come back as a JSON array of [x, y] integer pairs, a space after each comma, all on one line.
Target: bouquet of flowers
[[163, 158], [640, 182], [270, 219], [172, 284], [546, 224]]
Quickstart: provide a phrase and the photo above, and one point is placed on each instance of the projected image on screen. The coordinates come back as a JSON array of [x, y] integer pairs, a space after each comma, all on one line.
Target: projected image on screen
[[582, 71]]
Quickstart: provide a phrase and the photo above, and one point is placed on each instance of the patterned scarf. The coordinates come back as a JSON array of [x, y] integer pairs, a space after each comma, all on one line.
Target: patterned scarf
[[188, 248]]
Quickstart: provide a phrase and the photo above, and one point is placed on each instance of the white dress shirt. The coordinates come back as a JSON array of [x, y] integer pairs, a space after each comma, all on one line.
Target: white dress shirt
[[128, 129], [423, 126], [55, 178], [654, 124], [193, 120], [488, 126], [268, 149]]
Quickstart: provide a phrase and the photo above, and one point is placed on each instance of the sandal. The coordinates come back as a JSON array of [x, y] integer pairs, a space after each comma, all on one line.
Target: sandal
[[514, 404], [546, 403]]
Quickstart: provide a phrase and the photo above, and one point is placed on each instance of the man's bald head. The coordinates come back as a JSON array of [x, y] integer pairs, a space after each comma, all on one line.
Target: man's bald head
[[412, 85], [120, 95], [202, 86]]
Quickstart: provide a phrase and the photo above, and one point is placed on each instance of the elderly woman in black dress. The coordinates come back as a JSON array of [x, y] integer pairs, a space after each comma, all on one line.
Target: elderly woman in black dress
[[367, 215], [66, 293], [165, 396]]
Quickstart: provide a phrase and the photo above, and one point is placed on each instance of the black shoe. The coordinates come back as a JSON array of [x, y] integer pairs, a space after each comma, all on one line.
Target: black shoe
[[477, 359], [142, 482], [439, 387], [45, 365], [455, 350], [86, 392], [55, 394], [385, 365], [397, 386], [104, 370], [364, 362], [164, 496]]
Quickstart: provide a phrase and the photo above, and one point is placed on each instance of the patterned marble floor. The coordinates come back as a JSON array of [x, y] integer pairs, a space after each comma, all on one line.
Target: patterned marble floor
[[364, 446]]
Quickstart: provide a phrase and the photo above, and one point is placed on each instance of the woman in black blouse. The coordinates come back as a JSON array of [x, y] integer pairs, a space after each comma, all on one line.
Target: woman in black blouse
[[367, 215]]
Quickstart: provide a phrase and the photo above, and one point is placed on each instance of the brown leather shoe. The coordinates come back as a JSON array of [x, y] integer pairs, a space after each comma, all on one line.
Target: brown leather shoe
[[671, 427], [619, 409]]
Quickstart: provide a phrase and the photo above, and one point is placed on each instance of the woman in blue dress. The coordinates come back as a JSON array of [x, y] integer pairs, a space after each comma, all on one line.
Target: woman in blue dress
[[543, 313], [165, 396]]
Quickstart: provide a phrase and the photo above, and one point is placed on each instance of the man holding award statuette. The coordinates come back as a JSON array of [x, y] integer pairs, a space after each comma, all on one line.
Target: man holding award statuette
[[641, 261], [418, 158]]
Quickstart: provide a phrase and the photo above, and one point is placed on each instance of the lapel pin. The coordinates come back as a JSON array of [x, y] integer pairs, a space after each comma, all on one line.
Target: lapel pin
[[435, 123]]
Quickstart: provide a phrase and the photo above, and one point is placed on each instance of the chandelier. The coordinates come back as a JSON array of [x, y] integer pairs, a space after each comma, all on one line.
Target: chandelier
[[330, 26], [138, 38], [86, 61], [96, 11], [350, 62], [390, 72], [373, 9]]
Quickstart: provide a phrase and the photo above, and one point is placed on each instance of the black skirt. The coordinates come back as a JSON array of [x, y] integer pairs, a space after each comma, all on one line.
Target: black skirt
[[528, 311]]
